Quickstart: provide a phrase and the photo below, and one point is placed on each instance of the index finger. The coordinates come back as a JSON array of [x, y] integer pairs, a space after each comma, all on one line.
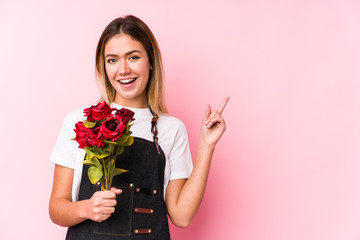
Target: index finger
[[223, 104]]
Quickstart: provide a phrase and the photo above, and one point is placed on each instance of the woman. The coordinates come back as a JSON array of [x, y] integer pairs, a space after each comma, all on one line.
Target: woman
[[161, 179]]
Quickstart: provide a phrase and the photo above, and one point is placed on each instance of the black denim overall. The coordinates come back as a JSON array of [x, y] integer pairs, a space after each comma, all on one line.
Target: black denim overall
[[140, 212]]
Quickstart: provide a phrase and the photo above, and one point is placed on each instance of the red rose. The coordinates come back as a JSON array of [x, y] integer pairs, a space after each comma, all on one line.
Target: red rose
[[98, 112], [95, 137], [112, 128], [125, 115], [81, 131], [88, 137]]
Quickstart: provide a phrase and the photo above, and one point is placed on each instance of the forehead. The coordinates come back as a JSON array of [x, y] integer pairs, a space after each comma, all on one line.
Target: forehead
[[123, 43]]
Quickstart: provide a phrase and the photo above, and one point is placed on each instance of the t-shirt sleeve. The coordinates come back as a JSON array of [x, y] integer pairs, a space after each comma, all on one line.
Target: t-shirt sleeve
[[65, 150], [180, 156]]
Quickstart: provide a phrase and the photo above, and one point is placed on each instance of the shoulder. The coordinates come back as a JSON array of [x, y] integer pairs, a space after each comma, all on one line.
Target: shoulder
[[170, 122], [172, 130]]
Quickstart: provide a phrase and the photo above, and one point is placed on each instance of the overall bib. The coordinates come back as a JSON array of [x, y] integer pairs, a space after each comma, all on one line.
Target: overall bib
[[140, 212]]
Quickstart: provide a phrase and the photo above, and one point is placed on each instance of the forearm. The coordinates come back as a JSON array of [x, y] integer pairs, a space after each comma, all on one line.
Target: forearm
[[183, 197], [190, 196], [67, 213]]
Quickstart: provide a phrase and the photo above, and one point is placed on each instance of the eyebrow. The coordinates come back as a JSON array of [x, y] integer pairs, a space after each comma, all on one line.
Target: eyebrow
[[127, 54]]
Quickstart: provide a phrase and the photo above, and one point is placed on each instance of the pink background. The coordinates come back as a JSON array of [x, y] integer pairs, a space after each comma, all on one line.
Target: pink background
[[287, 167]]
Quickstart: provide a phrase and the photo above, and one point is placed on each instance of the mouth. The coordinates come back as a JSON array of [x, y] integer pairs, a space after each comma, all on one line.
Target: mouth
[[127, 81]]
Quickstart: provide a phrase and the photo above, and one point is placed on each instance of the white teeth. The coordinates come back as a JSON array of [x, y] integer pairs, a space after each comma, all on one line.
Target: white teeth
[[127, 80]]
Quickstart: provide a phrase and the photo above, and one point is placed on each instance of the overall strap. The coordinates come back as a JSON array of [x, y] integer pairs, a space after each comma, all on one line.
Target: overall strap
[[154, 130]]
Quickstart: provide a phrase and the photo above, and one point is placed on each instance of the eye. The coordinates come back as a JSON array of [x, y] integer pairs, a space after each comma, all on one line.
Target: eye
[[111, 60], [134, 57]]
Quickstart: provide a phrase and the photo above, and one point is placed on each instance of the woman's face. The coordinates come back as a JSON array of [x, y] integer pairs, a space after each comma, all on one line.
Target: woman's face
[[127, 67]]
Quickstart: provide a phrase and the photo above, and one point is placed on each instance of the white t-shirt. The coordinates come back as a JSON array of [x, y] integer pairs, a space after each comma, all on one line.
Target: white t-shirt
[[173, 140]]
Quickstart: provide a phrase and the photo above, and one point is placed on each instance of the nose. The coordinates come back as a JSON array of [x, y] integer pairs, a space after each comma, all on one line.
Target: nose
[[124, 68]]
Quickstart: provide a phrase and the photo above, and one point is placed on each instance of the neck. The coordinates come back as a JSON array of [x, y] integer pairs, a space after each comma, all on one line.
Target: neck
[[132, 102]]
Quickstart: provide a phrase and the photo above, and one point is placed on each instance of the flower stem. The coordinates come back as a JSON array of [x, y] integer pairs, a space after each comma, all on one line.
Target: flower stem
[[108, 179], [104, 169], [113, 161]]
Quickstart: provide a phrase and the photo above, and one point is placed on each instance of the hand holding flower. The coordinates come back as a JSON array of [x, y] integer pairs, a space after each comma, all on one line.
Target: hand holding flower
[[101, 205]]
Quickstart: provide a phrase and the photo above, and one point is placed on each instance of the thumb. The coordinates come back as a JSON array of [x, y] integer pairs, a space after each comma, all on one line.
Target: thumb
[[116, 190]]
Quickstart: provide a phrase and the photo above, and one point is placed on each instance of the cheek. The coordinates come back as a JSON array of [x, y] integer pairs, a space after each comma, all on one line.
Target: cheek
[[144, 69], [110, 71]]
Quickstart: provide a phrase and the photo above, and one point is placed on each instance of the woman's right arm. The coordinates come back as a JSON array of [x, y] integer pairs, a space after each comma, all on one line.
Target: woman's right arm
[[66, 213]]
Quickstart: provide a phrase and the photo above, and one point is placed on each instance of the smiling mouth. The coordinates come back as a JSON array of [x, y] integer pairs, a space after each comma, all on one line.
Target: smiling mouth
[[127, 81]]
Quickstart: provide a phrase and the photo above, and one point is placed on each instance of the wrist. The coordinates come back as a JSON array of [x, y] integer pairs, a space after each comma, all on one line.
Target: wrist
[[204, 145], [82, 213]]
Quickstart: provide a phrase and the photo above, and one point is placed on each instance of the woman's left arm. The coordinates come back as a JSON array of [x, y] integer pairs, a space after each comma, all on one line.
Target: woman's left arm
[[183, 196]]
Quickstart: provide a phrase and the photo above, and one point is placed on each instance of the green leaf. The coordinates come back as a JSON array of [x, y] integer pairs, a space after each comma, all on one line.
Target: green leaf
[[130, 141], [104, 155], [97, 151], [122, 139], [92, 151], [127, 129], [108, 147], [89, 162], [120, 150], [89, 153], [105, 152], [95, 173], [110, 142], [118, 171], [89, 124]]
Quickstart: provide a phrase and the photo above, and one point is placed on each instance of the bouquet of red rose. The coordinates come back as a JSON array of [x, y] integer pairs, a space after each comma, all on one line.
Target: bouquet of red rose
[[103, 136]]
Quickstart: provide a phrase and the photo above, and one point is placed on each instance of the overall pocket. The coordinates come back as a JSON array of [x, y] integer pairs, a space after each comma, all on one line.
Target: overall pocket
[[119, 223]]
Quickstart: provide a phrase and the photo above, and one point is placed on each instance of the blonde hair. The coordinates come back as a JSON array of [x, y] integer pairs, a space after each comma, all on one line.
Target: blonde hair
[[139, 31]]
